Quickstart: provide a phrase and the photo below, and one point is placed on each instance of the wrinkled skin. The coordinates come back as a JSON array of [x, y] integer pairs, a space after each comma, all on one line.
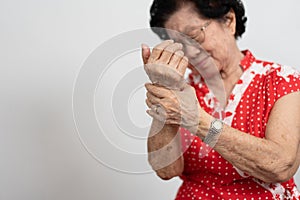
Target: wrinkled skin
[[178, 107], [170, 99]]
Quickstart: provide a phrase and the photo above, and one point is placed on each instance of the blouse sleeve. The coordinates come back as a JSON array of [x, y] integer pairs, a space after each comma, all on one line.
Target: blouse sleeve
[[287, 81]]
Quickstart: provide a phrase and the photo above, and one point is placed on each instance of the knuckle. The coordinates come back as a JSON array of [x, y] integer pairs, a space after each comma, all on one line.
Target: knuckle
[[159, 46], [157, 49], [179, 53], [160, 63], [172, 95], [179, 45], [185, 59], [163, 44], [183, 63], [174, 47], [170, 48]]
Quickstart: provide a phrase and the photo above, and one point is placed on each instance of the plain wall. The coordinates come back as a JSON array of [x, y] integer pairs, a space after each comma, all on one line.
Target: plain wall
[[43, 45]]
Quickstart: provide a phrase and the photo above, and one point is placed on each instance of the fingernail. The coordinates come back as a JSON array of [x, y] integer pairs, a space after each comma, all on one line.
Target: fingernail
[[144, 46], [148, 112]]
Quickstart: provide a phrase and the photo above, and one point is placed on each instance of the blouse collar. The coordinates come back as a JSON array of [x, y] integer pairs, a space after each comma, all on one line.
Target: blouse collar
[[248, 59]]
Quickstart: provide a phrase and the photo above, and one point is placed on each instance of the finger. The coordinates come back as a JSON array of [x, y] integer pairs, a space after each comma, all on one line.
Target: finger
[[176, 58], [158, 49], [153, 99], [183, 65], [145, 53], [158, 91], [150, 112], [172, 121], [168, 53], [147, 85], [158, 116], [149, 104]]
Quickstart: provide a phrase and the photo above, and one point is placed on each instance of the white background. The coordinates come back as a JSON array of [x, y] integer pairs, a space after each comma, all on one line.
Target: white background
[[43, 44]]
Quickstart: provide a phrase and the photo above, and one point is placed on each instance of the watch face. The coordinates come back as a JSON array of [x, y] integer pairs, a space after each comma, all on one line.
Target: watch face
[[217, 124]]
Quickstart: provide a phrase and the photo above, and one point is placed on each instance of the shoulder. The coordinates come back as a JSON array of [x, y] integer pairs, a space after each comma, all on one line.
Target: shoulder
[[267, 68], [278, 79], [275, 71]]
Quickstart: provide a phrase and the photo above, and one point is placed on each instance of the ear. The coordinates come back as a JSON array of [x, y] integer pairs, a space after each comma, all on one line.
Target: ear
[[230, 21]]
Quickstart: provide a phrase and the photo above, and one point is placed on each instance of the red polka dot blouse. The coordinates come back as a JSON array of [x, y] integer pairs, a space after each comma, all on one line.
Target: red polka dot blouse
[[207, 175]]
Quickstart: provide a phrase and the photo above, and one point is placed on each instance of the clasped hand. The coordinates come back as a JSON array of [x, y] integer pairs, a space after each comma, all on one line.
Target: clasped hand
[[170, 99]]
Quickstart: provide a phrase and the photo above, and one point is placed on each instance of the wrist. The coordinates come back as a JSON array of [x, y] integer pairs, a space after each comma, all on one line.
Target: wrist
[[213, 134], [204, 125], [160, 128]]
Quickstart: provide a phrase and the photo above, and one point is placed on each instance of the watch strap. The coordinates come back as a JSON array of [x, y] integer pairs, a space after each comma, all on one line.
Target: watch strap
[[213, 133]]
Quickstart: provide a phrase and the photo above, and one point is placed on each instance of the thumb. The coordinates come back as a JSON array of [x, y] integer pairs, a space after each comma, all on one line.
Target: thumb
[[145, 53]]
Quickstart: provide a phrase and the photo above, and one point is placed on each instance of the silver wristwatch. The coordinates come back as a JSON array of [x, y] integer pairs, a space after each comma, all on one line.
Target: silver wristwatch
[[214, 131]]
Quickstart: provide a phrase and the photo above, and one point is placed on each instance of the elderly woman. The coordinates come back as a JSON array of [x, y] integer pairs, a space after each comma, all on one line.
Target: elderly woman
[[242, 143]]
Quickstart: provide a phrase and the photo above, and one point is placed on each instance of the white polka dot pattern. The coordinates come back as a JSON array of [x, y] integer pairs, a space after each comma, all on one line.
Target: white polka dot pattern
[[209, 176]]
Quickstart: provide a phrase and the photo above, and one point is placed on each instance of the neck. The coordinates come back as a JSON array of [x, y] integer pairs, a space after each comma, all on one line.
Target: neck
[[232, 73]]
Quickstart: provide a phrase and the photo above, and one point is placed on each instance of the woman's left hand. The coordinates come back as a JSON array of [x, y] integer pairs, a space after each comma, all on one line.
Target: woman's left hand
[[177, 107]]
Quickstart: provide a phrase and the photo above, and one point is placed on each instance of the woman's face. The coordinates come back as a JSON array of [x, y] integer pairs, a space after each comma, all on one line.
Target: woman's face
[[219, 41]]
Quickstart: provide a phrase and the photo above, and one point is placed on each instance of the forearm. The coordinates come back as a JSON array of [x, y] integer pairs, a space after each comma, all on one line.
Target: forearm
[[255, 156], [164, 150], [258, 157]]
